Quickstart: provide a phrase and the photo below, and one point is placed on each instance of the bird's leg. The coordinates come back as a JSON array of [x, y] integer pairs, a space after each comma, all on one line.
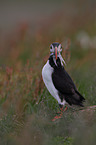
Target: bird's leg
[[61, 113], [65, 109], [61, 110]]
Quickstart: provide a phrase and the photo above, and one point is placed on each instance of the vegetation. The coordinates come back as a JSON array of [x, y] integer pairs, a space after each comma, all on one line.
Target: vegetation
[[26, 107]]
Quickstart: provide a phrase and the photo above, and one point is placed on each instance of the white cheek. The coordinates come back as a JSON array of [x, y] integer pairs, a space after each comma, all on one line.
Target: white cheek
[[52, 50]]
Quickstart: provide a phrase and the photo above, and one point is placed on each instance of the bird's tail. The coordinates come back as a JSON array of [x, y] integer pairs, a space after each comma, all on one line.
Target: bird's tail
[[75, 99], [81, 98]]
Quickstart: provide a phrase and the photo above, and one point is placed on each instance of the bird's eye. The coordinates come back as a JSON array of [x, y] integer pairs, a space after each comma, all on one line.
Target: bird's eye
[[51, 49]]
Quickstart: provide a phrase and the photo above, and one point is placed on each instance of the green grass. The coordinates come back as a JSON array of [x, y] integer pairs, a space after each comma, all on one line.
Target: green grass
[[26, 106]]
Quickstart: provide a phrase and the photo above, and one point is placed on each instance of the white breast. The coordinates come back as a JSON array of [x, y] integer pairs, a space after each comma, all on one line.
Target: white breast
[[47, 78]]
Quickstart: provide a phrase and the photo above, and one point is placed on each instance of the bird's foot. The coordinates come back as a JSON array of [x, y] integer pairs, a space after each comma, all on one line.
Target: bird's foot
[[61, 113], [56, 117]]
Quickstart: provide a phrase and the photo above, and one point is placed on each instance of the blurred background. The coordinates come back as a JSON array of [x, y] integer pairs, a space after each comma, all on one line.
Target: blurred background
[[27, 28]]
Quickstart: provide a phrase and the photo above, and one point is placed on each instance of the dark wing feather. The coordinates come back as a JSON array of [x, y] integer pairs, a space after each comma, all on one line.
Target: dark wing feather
[[62, 81], [65, 85]]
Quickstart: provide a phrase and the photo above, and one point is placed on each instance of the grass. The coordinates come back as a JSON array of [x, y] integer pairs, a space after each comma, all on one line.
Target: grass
[[26, 106]]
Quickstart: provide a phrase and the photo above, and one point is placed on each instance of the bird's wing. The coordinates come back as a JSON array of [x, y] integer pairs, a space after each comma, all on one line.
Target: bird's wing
[[62, 81]]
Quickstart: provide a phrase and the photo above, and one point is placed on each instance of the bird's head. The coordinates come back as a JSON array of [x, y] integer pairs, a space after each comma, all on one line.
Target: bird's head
[[55, 49]]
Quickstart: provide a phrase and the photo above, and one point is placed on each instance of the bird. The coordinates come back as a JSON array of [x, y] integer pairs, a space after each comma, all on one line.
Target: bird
[[58, 82]]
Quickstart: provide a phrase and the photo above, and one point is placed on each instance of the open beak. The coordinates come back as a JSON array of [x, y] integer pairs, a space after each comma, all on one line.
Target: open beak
[[56, 53]]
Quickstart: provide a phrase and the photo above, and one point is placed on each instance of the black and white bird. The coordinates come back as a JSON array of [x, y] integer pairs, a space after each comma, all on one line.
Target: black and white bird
[[57, 80]]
